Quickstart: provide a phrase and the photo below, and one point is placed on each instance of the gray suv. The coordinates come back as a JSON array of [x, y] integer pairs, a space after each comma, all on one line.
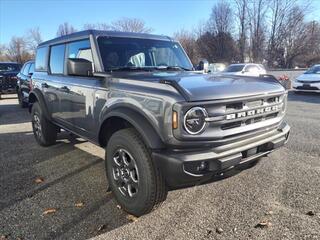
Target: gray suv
[[163, 125]]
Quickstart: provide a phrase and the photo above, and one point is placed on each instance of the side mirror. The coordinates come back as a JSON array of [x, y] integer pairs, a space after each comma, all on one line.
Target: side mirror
[[203, 66], [79, 67]]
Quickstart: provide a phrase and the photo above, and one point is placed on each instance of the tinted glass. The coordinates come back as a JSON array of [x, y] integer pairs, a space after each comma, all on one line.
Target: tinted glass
[[314, 70], [80, 49], [26, 69], [234, 68], [41, 57], [7, 67], [31, 69], [57, 59], [119, 52]]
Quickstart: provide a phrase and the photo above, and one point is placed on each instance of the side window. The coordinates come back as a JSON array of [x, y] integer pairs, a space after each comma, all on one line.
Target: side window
[[31, 69], [41, 58], [56, 62], [80, 49], [26, 69]]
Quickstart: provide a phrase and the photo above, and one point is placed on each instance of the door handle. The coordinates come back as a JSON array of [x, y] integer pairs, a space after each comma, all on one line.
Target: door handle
[[44, 85]]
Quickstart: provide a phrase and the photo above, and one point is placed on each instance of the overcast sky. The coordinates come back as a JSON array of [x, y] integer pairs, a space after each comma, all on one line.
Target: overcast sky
[[165, 16]]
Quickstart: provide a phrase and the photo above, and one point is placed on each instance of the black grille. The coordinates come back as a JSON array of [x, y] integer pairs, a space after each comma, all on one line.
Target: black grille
[[307, 88]]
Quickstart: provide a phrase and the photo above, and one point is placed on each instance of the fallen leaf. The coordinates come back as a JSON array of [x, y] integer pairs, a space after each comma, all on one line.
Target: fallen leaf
[[49, 211], [132, 218], [39, 180], [209, 232], [3, 237], [219, 230], [118, 206], [79, 204], [311, 213], [101, 227], [269, 213], [263, 224]]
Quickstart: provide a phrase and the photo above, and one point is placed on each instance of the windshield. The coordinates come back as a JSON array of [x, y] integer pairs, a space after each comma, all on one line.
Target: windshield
[[234, 68], [119, 53], [314, 70], [6, 67]]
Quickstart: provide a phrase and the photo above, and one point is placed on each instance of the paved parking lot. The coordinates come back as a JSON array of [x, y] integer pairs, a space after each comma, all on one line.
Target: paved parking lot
[[281, 190]]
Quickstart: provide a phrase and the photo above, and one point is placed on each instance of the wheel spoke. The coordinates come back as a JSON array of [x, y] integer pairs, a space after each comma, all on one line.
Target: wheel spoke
[[132, 189], [125, 173]]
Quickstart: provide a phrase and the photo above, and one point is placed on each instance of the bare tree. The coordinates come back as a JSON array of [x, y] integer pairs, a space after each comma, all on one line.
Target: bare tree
[[242, 17], [97, 26], [33, 39], [220, 20], [17, 50], [130, 25], [189, 43], [217, 44], [65, 29], [257, 13], [3, 50], [279, 9]]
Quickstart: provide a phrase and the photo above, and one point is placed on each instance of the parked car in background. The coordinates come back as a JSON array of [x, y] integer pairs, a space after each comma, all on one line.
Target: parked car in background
[[245, 69], [309, 81], [8, 77], [216, 67], [24, 83]]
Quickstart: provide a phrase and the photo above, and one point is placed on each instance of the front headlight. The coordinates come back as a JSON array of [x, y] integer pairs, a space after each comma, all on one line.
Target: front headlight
[[195, 120]]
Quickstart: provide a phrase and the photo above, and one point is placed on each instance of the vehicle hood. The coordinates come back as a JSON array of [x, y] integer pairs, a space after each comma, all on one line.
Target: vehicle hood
[[309, 77], [201, 87]]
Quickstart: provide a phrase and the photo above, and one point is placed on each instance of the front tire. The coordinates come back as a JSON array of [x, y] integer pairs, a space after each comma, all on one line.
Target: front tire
[[44, 131], [135, 180]]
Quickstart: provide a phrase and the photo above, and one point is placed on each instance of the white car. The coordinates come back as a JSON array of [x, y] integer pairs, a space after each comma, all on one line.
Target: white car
[[245, 69], [309, 81]]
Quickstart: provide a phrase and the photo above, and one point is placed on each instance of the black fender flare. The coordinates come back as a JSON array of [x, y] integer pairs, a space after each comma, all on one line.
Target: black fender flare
[[36, 96], [150, 136]]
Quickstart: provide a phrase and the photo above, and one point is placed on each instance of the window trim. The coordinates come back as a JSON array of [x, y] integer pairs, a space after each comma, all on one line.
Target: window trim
[[46, 60], [49, 57], [67, 52]]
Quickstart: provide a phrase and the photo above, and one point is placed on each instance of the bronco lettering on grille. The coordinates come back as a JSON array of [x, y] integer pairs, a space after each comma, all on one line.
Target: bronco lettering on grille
[[252, 112]]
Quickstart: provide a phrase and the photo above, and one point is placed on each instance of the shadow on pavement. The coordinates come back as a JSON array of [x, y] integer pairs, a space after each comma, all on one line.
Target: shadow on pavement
[[69, 174], [308, 97]]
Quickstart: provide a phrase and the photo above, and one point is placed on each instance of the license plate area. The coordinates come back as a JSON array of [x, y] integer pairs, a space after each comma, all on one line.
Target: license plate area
[[250, 152]]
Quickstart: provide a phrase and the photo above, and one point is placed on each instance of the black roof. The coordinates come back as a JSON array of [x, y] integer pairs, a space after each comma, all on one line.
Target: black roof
[[86, 33]]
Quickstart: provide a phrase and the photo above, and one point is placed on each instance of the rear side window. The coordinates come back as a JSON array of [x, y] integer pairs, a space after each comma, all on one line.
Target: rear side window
[[25, 70], [41, 59], [80, 49], [57, 59]]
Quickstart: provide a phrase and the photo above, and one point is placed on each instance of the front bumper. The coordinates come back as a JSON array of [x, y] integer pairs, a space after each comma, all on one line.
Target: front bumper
[[306, 87], [183, 168]]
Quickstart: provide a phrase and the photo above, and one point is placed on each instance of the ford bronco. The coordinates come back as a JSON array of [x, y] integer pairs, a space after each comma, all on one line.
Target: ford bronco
[[163, 125]]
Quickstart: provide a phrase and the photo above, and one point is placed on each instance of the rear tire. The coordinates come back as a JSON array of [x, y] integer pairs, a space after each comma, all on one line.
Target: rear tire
[[135, 180], [44, 131]]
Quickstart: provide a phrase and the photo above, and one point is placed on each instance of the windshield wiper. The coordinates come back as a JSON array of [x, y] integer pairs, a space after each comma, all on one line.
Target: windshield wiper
[[131, 68], [172, 68]]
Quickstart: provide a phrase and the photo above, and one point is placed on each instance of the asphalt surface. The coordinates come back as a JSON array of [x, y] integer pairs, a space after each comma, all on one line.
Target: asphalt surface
[[281, 190]]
